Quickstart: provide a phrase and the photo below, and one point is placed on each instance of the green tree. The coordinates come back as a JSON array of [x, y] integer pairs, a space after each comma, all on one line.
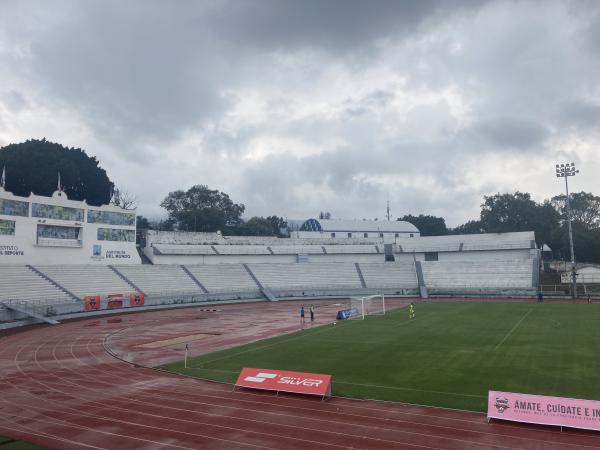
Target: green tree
[[258, 226], [278, 224], [470, 227], [504, 213], [142, 223], [33, 166], [202, 209], [585, 208], [427, 225]]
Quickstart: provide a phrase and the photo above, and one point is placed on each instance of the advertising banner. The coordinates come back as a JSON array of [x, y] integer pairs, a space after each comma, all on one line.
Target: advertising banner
[[91, 302], [347, 313], [544, 410], [136, 299], [115, 301], [285, 381]]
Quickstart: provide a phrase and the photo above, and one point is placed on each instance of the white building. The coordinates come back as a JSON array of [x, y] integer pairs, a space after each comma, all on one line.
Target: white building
[[356, 229], [56, 230]]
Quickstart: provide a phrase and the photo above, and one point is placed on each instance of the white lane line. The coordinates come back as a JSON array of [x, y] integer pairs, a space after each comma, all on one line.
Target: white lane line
[[507, 335]]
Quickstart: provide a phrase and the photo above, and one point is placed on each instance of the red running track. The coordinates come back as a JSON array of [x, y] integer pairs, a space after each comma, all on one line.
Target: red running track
[[62, 387]]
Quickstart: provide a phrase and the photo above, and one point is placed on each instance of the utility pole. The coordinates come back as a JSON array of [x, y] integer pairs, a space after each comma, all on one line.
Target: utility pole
[[565, 171], [388, 210]]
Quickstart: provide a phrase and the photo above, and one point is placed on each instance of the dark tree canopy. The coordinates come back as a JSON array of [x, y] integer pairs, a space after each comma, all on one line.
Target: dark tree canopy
[[202, 209], [427, 225], [142, 223], [258, 226], [504, 213], [470, 227], [33, 166], [585, 208]]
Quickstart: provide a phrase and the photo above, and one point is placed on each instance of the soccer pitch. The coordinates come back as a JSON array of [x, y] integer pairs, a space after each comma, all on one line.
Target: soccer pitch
[[450, 355]]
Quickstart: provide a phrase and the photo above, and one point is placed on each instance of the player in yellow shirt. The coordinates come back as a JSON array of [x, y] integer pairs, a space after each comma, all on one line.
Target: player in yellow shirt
[[411, 311]]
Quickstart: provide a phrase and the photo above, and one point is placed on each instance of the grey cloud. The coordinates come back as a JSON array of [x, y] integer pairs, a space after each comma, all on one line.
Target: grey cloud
[[143, 76], [583, 114], [511, 133], [325, 24], [13, 101]]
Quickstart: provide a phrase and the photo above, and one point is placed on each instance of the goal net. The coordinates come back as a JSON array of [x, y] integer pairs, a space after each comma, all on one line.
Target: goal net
[[367, 306]]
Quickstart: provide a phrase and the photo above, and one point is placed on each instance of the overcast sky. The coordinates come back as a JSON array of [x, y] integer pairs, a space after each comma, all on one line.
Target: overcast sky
[[293, 107]]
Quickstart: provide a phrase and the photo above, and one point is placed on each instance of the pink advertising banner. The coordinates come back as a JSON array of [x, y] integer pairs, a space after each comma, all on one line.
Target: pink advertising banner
[[540, 409]]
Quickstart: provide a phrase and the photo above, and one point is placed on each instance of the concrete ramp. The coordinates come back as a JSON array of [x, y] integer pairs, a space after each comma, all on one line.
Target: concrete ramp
[[31, 314], [268, 293], [421, 280]]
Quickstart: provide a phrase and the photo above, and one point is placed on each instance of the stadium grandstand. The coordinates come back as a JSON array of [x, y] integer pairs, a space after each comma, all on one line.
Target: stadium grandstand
[[58, 255]]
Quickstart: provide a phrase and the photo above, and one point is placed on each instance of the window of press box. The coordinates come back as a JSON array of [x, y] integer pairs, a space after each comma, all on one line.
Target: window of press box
[[14, 208], [56, 212], [57, 232], [7, 227], [110, 218], [111, 234]]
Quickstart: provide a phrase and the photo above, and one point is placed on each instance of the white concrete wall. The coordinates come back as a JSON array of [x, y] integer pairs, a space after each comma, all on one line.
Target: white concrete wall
[[221, 259], [356, 235], [487, 255]]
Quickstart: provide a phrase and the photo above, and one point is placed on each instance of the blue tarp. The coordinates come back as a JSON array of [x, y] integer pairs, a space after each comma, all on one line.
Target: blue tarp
[[347, 313]]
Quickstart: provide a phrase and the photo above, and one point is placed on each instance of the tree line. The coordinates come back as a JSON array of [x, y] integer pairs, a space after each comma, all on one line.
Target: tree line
[[33, 166]]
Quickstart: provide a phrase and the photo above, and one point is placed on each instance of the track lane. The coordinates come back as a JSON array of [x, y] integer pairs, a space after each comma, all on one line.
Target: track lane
[[55, 372]]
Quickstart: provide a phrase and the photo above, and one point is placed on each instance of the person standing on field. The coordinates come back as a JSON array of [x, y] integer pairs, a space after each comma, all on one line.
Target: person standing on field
[[302, 315], [312, 314], [411, 311]]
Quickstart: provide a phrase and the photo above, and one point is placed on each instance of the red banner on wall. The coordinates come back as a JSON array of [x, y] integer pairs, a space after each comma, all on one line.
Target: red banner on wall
[[544, 410], [136, 299], [285, 381], [91, 302], [115, 301]]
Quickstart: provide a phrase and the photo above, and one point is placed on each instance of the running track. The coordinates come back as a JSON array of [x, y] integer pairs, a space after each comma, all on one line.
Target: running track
[[69, 386]]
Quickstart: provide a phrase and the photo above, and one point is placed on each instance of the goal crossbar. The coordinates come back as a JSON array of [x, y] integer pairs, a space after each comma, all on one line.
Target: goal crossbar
[[368, 305]]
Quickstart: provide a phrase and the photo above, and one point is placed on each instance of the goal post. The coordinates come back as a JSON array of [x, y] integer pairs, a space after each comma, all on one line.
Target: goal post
[[369, 305]]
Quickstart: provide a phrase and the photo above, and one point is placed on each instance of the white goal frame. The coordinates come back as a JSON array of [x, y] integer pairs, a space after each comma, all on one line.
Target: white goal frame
[[364, 306]]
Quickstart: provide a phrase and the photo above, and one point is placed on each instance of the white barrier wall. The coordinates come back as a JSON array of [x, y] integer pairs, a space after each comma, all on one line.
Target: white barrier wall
[[56, 230]]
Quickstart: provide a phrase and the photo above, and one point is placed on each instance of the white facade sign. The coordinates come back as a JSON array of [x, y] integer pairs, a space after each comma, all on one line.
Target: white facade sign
[[56, 230]]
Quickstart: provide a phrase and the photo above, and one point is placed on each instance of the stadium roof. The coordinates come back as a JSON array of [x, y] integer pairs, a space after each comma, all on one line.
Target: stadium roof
[[331, 225]]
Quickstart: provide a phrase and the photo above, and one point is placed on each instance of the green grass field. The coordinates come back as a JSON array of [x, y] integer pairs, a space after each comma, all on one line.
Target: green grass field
[[449, 356], [10, 444]]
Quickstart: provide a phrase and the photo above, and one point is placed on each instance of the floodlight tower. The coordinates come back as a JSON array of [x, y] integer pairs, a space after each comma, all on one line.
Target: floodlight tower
[[565, 171]]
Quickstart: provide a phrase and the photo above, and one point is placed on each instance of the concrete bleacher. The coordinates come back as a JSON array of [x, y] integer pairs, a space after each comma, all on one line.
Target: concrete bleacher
[[243, 250], [223, 277], [313, 275], [469, 242], [20, 283], [159, 279], [84, 280], [184, 249], [478, 274], [296, 249], [390, 275], [358, 249]]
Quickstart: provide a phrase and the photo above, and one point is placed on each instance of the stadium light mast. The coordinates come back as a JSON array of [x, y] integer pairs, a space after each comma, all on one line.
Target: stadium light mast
[[565, 171]]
